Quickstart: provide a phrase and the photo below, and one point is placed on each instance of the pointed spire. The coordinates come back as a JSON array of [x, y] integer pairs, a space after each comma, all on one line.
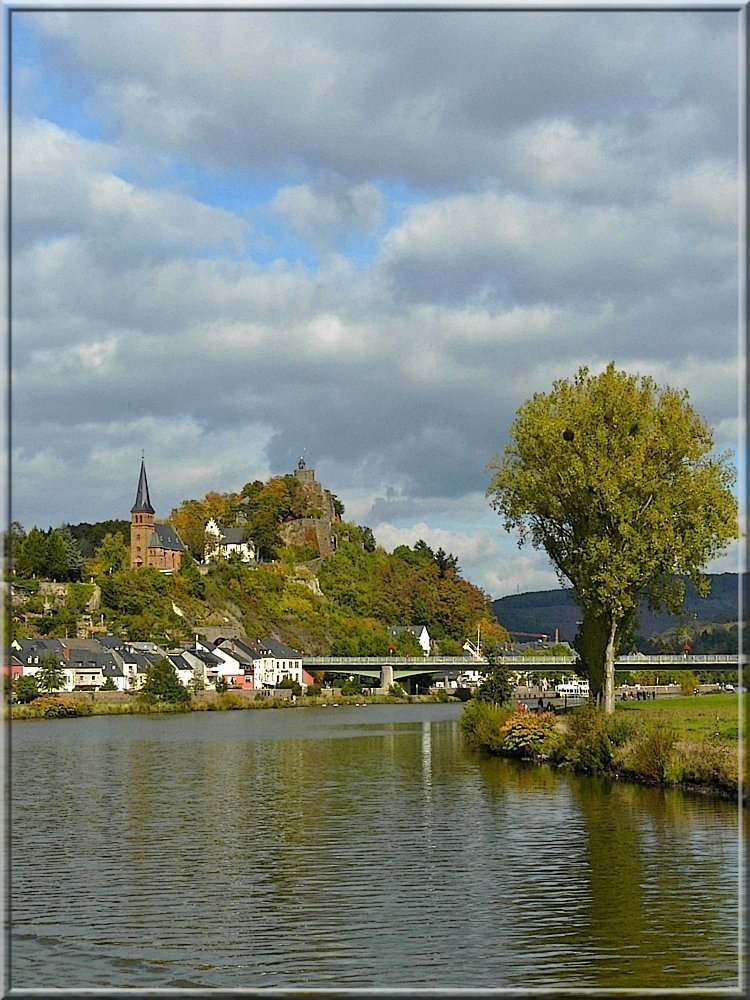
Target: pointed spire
[[142, 499]]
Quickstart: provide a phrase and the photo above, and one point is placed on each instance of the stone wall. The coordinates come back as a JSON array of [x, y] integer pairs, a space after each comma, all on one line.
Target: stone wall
[[297, 533]]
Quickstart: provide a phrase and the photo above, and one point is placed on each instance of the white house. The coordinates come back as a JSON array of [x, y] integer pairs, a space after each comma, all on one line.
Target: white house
[[31, 651], [203, 663], [223, 543], [229, 667], [275, 663], [185, 670], [418, 631], [245, 654]]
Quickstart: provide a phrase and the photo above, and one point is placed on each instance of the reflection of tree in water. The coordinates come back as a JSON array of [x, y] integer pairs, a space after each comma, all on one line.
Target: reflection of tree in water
[[500, 775], [659, 911]]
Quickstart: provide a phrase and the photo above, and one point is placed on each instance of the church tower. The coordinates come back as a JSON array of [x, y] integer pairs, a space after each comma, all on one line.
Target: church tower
[[141, 523]]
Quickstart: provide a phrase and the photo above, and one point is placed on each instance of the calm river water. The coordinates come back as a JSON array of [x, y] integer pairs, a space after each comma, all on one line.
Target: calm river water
[[355, 848]]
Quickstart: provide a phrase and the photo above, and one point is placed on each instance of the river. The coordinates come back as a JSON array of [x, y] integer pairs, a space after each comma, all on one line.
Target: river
[[351, 847]]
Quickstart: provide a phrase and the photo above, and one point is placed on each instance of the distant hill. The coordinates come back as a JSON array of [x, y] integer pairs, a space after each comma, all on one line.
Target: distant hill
[[547, 610]]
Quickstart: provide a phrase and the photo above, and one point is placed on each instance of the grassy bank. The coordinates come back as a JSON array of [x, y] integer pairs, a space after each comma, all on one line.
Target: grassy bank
[[70, 706], [689, 742]]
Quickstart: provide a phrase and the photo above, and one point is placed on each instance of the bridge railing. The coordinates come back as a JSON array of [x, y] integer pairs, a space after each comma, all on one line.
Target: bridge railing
[[689, 658], [431, 663]]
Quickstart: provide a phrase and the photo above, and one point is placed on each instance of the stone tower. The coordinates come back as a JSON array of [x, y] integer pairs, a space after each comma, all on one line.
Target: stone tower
[[141, 523]]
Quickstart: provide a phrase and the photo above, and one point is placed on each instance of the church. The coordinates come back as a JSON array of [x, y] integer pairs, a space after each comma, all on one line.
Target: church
[[151, 544]]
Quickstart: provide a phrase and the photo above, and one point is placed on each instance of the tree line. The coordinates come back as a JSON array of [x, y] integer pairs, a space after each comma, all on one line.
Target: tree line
[[363, 591]]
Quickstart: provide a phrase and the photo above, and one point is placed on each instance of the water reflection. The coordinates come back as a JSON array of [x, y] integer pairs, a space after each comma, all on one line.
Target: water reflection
[[633, 867], [353, 848]]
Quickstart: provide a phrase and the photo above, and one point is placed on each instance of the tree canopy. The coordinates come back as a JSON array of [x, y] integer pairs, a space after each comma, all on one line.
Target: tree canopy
[[53, 554], [617, 480], [50, 676], [162, 682]]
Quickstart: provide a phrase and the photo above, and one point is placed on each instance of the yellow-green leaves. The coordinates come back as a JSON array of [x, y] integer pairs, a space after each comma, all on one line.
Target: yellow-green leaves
[[614, 477]]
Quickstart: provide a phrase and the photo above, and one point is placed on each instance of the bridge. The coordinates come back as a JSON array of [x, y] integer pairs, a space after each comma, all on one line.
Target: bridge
[[388, 669]]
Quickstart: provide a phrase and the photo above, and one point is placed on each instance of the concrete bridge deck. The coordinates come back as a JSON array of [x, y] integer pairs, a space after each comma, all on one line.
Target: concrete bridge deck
[[410, 666]]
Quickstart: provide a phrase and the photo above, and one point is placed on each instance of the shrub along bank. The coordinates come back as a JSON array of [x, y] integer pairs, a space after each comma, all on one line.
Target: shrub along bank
[[691, 743], [71, 706]]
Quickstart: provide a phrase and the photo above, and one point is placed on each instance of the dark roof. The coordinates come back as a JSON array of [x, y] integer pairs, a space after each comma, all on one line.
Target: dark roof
[[31, 648], [40, 645], [233, 536], [244, 650], [165, 537], [179, 661], [136, 656], [142, 499], [279, 650], [112, 670], [90, 658], [152, 649], [111, 641], [210, 659], [81, 644]]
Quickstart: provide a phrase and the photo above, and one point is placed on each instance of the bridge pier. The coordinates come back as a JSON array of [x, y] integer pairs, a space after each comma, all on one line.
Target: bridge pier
[[386, 676]]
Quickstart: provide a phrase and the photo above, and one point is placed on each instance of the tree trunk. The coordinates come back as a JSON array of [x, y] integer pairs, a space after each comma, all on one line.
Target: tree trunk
[[609, 670]]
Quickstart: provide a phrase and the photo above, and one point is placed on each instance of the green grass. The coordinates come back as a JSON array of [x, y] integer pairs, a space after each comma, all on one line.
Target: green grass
[[693, 717], [225, 702]]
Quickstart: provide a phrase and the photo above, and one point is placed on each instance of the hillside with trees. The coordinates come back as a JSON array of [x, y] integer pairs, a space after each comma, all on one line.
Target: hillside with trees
[[708, 623], [342, 605]]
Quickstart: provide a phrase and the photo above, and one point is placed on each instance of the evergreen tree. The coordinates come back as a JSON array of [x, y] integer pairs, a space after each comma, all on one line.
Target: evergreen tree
[[162, 682], [50, 676], [57, 557], [32, 555], [73, 552], [497, 683], [14, 539]]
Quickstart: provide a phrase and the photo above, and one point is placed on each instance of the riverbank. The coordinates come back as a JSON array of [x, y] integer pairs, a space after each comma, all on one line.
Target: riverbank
[[689, 742], [360, 844], [82, 705]]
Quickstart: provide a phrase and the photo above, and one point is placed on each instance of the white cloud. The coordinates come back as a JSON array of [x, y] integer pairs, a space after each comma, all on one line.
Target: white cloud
[[370, 235], [706, 196], [62, 185], [325, 214], [560, 155], [514, 248]]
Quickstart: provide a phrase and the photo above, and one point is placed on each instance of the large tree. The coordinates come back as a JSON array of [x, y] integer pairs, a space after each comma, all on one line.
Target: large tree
[[497, 684], [162, 682], [112, 555], [616, 479], [31, 559], [50, 676]]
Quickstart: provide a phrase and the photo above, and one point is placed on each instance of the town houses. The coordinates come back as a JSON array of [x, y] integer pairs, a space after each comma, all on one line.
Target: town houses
[[216, 659], [90, 664]]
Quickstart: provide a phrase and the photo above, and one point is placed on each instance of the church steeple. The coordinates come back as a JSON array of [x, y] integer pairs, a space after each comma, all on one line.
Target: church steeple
[[142, 499]]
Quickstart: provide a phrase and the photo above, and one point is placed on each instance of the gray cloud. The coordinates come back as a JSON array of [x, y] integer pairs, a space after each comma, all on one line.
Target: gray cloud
[[370, 91], [434, 216], [324, 213]]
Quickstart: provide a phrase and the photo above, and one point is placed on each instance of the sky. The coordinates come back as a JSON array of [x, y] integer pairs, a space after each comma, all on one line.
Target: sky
[[364, 237]]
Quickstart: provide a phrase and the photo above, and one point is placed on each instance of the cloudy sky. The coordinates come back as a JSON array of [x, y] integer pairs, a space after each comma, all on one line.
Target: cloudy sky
[[362, 236]]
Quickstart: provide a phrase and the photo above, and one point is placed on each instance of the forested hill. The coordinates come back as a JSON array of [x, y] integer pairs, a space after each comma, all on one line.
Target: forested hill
[[344, 604], [545, 610]]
